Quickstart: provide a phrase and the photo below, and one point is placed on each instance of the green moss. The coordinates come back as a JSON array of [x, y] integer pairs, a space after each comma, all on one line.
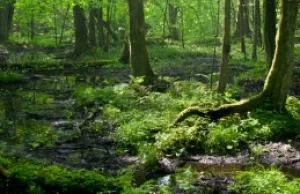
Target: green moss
[[55, 179], [9, 77]]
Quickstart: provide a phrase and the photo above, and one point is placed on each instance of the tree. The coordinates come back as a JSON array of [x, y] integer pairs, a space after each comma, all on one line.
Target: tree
[[278, 80], [100, 26], [173, 14], [259, 34], [92, 26], [242, 23], [138, 52], [241, 26], [81, 32], [256, 29], [225, 48], [269, 29], [6, 18]]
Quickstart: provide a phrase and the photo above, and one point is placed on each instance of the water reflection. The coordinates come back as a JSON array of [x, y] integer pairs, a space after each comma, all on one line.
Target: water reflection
[[38, 119]]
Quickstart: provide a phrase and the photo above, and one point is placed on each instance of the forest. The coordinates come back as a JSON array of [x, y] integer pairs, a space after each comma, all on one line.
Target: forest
[[149, 96]]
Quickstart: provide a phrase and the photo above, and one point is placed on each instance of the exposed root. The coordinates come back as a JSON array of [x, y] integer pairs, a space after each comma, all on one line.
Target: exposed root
[[224, 110]]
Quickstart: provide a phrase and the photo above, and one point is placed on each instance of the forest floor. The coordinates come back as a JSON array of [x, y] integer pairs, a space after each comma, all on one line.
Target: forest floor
[[42, 119]]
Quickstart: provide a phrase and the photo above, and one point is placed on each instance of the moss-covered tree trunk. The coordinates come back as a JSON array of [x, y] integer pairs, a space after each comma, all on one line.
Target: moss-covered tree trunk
[[269, 29], [138, 52], [225, 48], [81, 32], [173, 14], [278, 80]]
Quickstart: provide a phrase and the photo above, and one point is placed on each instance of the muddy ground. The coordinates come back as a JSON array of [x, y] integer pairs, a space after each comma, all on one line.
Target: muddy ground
[[93, 151]]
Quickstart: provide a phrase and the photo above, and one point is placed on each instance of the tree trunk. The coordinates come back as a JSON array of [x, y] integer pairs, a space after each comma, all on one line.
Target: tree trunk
[[6, 18], [246, 20], [278, 80], [255, 30], [110, 31], [269, 29], [225, 48], [242, 23], [100, 27], [107, 37], [81, 33], [242, 27], [259, 35], [92, 27], [3, 24], [11, 10], [173, 13], [63, 25], [32, 27], [125, 57], [138, 52]]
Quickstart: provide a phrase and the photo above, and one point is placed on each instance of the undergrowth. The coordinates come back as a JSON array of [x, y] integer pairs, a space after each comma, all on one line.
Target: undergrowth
[[19, 175], [264, 181], [144, 120]]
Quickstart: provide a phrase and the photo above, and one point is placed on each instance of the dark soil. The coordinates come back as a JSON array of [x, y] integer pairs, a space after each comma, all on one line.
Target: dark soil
[[94, 150]]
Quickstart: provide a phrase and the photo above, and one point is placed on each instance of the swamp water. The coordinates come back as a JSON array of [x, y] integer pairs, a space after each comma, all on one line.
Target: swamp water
[[39, 119]]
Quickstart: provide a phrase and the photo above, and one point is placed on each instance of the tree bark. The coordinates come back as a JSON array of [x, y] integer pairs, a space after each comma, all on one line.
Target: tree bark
[[92, 27], [138, 52], [32, 27], [107, 37], [81, 32], [246, 20], [242, 26], [242, 23], [269, 29], [255, 30], [100, 27], [278, 80], [125, 57], [6, 18], [173, 13], [225, 48], [259, 34], [11, 10]]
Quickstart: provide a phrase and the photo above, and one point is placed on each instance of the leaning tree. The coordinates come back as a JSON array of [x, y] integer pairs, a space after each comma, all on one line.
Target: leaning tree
[[278, 80]]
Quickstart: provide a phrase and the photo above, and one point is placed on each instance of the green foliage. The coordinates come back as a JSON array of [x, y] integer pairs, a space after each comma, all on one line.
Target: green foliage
[[38, 178], [144, 120], [270, 181], [182, 140]]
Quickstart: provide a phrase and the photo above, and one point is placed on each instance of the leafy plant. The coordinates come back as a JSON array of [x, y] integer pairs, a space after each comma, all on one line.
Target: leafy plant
[[269, 181]]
